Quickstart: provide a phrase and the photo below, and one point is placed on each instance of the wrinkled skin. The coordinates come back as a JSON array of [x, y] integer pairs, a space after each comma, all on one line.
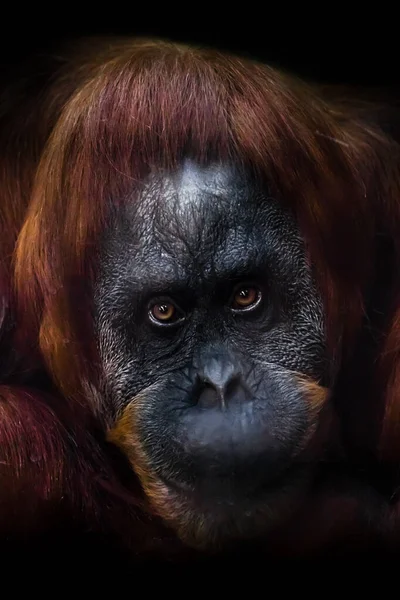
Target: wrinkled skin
[[217, 408]]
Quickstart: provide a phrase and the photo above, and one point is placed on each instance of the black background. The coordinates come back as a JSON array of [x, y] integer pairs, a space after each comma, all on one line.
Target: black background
[[328, 43]]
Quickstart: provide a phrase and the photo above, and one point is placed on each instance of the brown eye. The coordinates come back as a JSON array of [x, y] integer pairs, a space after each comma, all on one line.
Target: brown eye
[[164, 313], [246, 297]]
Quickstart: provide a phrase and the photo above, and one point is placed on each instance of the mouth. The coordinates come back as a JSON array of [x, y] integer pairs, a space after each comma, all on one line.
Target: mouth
[[208, 501], [230, 493]]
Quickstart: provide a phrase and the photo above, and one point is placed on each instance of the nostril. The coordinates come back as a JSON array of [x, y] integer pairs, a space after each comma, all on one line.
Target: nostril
[[208, 397], [211, 394], [232, 387]]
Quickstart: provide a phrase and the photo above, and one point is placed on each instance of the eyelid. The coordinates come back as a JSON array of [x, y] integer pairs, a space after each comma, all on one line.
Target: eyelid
[[160, 299], [243, 284], [167, 300]]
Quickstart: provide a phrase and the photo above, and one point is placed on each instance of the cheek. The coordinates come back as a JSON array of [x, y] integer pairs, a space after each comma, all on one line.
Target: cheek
[[126, 368], [296, 346]]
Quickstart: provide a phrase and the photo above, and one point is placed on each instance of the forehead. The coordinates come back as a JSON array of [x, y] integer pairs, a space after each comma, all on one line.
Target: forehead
[[193, 199], [194, 185], [197, 219]]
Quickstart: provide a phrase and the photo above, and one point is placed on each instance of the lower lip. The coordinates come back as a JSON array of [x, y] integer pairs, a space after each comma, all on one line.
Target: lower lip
[[192, 492]]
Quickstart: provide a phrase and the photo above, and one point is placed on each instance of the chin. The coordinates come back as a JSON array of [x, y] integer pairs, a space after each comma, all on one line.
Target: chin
[[215, 517]]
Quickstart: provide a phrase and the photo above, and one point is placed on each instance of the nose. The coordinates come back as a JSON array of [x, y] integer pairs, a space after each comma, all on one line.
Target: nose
[[220, 384]]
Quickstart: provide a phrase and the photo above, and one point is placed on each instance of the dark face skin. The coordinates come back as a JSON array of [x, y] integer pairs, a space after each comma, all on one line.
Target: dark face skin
[[211, 335]]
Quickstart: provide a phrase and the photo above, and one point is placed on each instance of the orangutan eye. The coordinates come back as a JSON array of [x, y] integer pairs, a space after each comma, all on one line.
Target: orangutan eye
[[164, 312], [246, 297]]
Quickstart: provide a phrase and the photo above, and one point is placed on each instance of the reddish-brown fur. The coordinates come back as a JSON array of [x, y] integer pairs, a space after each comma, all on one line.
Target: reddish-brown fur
[[90, 137]]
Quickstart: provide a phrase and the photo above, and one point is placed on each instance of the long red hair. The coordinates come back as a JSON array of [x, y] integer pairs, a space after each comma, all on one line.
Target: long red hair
[[119, 108]]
